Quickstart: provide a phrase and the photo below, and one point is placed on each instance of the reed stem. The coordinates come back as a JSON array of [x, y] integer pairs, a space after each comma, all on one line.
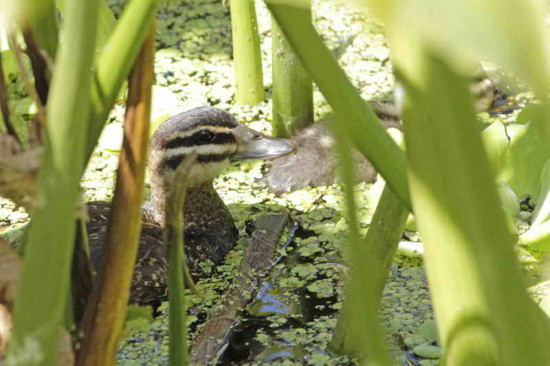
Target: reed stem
[[369, 136], [292, 87], [247, 57], [358, 330], [106, 310], [173, 237]]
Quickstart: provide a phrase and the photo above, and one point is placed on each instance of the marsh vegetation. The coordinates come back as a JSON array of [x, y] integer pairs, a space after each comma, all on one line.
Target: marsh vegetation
[[348, 276]]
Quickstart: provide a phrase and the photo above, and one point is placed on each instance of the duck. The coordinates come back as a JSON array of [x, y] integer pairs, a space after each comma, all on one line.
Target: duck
[[315, 144], [210, 233]]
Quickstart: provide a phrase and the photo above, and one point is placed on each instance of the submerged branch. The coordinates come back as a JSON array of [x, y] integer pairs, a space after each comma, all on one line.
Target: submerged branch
[[211, 341]]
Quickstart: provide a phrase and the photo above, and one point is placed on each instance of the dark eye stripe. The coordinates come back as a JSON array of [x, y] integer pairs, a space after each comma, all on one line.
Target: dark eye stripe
[[212, 158], [220, 139], [173, 162]]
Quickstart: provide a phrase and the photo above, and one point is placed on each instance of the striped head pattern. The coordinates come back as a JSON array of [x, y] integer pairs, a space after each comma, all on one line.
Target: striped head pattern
[[215, 136]]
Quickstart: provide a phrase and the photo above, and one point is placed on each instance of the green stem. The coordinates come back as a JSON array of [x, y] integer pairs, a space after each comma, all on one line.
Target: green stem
[[484, 313], [358, 330], [369, 136], [115, 62], [292, 87], [247, 57], [46, 269], [173, 235]]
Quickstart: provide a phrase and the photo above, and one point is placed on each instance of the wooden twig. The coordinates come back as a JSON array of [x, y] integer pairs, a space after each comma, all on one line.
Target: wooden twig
[[4, 104], [29, 87], [39, 65], [212, 339], [106, 310], [82, 271]]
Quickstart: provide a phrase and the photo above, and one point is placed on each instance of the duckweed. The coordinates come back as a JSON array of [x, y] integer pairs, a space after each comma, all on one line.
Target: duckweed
[[193, 67]]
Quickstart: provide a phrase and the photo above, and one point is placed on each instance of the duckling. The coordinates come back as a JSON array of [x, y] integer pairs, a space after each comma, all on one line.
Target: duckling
[[315, 161], [209, 230]]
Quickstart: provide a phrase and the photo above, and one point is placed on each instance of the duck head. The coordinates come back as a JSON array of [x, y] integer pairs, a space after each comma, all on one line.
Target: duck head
[[216, 137]]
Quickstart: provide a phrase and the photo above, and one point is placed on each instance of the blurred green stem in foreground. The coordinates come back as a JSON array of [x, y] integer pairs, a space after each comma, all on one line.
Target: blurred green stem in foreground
[[484, 313], [45, 274], [358, 330], [247, 57]]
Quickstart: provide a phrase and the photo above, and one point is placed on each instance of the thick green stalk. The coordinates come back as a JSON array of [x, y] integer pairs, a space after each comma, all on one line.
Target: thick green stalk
[[358, 330], [115, 62], [292, 87], [247, 56], [369, 136], [46, 269], [173, 237], [483, 310]]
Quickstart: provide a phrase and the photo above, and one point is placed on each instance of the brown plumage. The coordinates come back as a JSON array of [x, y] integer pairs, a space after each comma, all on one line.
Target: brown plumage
[[209, 231]]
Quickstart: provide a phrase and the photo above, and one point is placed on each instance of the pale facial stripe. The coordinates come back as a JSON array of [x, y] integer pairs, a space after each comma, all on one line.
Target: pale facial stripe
[[186, 138], [210, 149]]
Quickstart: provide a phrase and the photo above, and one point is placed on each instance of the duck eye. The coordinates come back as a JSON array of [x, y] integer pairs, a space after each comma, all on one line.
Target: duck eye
[[205, 136], [256, 137]]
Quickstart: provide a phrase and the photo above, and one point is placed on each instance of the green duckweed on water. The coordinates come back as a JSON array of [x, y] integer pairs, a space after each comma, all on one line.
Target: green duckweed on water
[[295, 313]]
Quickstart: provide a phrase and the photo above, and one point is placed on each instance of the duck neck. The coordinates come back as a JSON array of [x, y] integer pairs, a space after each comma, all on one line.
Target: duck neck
[[203, 205], [209, 229]]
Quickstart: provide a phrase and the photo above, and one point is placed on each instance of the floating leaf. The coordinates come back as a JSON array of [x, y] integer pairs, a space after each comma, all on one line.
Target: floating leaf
[[428, 330], [428, 351]]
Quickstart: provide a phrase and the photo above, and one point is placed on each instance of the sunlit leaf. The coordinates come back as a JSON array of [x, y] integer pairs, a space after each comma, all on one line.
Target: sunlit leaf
[[510, 33], [529, 151], [542, 212], [496, 144]]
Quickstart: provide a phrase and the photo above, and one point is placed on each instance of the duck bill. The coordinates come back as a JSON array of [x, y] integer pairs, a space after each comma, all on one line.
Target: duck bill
[[253, 145]]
